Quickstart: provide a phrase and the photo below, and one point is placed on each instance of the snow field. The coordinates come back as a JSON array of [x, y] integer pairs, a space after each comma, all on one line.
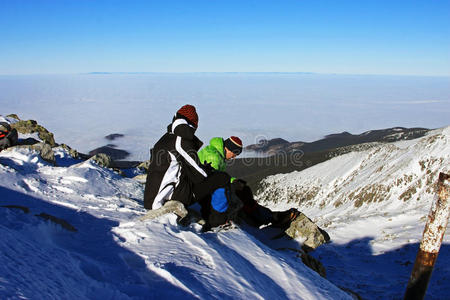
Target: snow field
[[112, 255]]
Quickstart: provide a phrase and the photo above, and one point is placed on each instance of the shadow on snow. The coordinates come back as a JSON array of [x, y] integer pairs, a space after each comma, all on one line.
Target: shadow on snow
[[104, 263], [383, 276]]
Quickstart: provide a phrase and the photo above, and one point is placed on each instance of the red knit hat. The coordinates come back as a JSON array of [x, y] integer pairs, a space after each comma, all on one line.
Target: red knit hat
[[189, 112], [234, 144]]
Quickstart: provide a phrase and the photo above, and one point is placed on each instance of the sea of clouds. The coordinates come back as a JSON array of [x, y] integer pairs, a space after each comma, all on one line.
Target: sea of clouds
[[81, 109]]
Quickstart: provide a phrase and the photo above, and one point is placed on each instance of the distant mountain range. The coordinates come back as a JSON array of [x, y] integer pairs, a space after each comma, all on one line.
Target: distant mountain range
[[281, 156], [278, 145]]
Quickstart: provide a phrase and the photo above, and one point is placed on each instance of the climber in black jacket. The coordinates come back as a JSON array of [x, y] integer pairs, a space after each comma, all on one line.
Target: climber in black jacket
[[175, 172]]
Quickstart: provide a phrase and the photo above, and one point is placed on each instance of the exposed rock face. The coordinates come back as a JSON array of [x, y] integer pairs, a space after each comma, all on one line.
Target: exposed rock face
[[102, 160], [44, 150], [144, 165], [31, 126], [110, 151], [72, 152], [14, 116], [313, 264], [302, 227]]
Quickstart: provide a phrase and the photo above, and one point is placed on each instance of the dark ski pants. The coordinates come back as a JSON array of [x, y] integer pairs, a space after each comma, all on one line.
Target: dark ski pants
[[214, 181], [258, 214]]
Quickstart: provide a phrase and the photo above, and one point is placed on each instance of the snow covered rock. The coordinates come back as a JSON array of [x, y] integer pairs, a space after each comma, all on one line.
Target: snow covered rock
[[102, 160], [72, 152], [306, 230], [144, 165], [44, 150]]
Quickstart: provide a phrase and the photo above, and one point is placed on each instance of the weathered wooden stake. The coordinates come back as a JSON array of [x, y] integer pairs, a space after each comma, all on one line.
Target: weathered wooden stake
[[431, 242]]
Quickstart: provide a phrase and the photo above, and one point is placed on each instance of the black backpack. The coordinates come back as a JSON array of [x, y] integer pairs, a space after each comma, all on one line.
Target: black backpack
[[8, 136]]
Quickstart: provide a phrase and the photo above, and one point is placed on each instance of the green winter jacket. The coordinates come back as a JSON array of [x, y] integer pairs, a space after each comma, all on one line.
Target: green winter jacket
[[214, 154]]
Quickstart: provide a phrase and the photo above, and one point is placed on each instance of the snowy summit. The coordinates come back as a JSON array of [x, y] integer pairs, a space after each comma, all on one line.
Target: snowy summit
[[70, 230]]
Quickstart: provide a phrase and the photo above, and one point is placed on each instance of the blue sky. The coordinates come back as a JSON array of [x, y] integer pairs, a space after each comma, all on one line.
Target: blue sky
[[348, 37]]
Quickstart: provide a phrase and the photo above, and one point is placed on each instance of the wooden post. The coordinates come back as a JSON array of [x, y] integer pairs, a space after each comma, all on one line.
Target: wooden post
[[431, 242]]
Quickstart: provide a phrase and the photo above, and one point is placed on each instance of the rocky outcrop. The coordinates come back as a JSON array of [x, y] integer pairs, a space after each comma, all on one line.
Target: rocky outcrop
[[303, 228], [111, 151], [44, 150], [144, 165], [102, 160], [14, 116], [72, 152], [31, 126], [313, 264]]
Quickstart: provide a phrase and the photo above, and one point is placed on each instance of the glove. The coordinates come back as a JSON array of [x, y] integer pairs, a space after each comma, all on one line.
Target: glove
[[239, 184], [208, 168]]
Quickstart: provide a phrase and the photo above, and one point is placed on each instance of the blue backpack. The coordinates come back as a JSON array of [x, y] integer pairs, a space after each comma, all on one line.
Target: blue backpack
[[219, 199], [225, 200]]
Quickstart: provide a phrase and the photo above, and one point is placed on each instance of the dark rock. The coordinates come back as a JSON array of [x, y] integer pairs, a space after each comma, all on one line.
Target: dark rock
[[28, 141], [14, 116], [115, 154], [22, 208], [313, 264], [64, 224], [125, 164], [114, 136]]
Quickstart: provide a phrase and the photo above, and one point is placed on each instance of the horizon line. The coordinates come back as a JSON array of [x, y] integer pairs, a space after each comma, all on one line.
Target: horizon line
[[225, 72]]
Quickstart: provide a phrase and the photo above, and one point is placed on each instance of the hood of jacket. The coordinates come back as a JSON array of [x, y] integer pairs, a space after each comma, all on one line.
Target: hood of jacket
[[180, 127], [217, 143]]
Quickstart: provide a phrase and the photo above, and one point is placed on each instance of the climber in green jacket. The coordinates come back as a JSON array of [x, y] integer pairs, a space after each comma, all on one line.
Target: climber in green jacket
[[218, 151], [216, 154]]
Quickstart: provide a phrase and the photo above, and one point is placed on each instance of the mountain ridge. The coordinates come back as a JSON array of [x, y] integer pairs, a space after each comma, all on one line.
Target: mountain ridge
[[335, 140], [380, 196]]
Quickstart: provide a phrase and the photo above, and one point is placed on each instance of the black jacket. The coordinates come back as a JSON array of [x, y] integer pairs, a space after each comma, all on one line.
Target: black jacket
[[174, 166]]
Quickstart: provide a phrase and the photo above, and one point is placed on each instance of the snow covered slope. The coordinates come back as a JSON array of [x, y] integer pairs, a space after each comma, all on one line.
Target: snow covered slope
[[71, 232], [374, 204]]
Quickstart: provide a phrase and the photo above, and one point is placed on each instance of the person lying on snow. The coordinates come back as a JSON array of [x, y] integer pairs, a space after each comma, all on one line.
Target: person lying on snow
[[175, 173], [214, 207]]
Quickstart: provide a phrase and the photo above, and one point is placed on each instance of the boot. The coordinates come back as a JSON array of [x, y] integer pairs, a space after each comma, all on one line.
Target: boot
[[282, 219]]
